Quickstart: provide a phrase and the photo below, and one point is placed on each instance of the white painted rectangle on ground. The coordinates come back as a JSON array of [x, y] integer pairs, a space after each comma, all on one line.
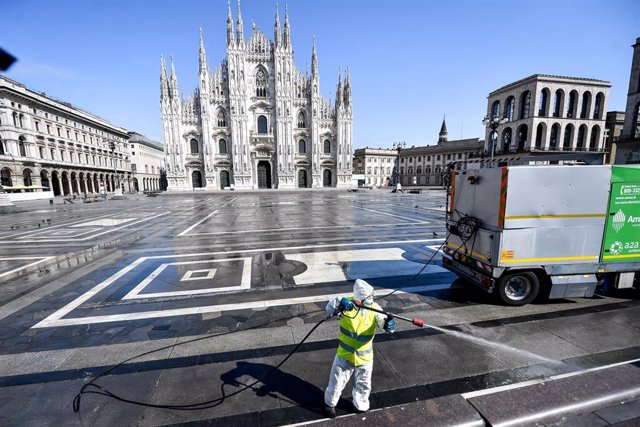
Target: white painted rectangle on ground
[[336, 266], [105, 222]]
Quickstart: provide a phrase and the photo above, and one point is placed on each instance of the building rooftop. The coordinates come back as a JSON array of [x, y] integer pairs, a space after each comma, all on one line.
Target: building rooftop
[[136, 137], [552, 77], [11, 84]]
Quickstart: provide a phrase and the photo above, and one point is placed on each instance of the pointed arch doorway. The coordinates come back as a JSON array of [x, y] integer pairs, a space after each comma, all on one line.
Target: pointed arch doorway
[[264, 174], [196, 179], [326, 178], [302, 178]]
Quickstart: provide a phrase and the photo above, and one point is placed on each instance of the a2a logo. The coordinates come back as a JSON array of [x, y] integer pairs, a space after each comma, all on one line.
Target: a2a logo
[[616, 248]]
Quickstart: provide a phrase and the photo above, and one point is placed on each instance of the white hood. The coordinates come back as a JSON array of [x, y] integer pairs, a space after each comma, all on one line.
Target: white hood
[[363, 291]]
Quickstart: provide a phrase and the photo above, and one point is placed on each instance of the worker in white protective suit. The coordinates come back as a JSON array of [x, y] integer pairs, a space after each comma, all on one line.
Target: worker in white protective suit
[[355, 349]]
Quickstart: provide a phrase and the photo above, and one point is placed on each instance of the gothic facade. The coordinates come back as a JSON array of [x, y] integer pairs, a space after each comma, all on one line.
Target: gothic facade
[[256, 121]]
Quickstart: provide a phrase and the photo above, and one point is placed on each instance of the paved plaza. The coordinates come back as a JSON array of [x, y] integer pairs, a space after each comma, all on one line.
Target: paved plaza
[[213, 290]]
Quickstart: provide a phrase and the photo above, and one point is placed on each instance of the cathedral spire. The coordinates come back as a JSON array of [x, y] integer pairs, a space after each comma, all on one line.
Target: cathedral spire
[[287, 31], [203, 55], [314, 58], [339, 93], [239, 28], [276, 29], [164, 81], [347, 88], [230, 37], [174, 79], [442, 136]]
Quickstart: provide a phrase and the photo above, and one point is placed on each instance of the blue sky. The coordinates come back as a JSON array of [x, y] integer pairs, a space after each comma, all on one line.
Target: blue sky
[[412, 61]]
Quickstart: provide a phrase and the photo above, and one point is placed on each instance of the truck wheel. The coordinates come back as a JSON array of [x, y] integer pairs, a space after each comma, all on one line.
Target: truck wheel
[[518, 287]]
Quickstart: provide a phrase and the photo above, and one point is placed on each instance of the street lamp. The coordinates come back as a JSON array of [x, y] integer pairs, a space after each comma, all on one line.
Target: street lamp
[[112, 146], [398, 145], [493, 123]]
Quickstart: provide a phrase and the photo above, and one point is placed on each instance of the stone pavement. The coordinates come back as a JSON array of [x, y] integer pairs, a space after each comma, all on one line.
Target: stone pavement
[[223, 286]]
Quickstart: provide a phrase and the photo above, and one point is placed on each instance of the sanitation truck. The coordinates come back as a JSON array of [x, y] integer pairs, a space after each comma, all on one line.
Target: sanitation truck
[[516, 231]]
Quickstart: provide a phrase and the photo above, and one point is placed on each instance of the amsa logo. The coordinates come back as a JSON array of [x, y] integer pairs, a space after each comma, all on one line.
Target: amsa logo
[[630, 190]]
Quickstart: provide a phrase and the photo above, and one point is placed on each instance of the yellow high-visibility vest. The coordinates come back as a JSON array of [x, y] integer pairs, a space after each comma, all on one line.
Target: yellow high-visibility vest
[[356, 336]]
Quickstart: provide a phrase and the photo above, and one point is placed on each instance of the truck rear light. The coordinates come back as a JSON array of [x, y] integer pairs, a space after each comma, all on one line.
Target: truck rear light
[[486, 282]]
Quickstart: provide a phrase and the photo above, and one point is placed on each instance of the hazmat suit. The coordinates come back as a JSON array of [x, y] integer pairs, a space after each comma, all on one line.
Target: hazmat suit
[[355, 349]]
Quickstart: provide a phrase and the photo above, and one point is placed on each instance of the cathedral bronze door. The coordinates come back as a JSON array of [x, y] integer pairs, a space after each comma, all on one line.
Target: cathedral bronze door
[[224, 179], [196, 179], [264, 174], [326, 178], [302, 178]]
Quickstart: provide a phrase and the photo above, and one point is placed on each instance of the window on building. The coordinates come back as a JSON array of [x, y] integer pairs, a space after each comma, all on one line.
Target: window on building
[[49, 129], [495, 109], [327, 146], [222, 146], [402, 160], [2, 150], [369, 170], [573, 100], [302, 147], [419, 170], [509, 106], [302, 122], [53, 153], [22, 146], [68, 134], [62, 156], [525, 104], [37, 126], [262, 124], [194, 146], [597, 108], [544, 100], [586, 105], [448, 156], [459, 156], [222, 119], [261, 83], [438, 157]]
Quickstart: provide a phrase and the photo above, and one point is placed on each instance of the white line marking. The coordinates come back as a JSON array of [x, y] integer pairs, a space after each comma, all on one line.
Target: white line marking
[[24, 266], [571, 408], [188, 276], [245, 282], [58, 226], [287, 248], [44, 240], [63, 232], [184, 233], [55, 317], [268, 230], [388, 214], [57, 321], [514, 386]]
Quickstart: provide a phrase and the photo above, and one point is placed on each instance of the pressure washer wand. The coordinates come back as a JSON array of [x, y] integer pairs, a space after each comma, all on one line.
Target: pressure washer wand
[[415, 321]]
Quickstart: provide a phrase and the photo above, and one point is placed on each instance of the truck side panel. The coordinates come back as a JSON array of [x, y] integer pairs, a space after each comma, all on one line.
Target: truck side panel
[[557, 196], [550, 245]]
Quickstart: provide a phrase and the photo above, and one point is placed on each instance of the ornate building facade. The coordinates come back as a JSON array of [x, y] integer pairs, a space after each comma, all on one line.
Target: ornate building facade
[[256, 121], [49, 143]]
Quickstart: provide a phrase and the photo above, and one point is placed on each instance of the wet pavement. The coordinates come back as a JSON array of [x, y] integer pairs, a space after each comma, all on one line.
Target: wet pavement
[[214, 290]]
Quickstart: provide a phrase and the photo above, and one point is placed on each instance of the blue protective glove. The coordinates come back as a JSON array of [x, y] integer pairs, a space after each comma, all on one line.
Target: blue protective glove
[[390, 325], [346, 304]]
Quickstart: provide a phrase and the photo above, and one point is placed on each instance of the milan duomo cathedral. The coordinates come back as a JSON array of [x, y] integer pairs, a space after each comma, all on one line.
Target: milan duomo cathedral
[[257, 121]]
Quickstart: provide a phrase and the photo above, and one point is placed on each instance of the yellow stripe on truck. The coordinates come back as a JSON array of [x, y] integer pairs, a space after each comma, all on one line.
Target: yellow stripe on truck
[[564, 258], [621, 256], [556, 216]]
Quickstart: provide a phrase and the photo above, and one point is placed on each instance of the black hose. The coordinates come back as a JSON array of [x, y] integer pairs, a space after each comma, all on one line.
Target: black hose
[[192, 406]]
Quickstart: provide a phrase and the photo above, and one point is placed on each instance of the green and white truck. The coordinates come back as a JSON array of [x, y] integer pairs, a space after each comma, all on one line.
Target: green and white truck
[[517, 230]]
